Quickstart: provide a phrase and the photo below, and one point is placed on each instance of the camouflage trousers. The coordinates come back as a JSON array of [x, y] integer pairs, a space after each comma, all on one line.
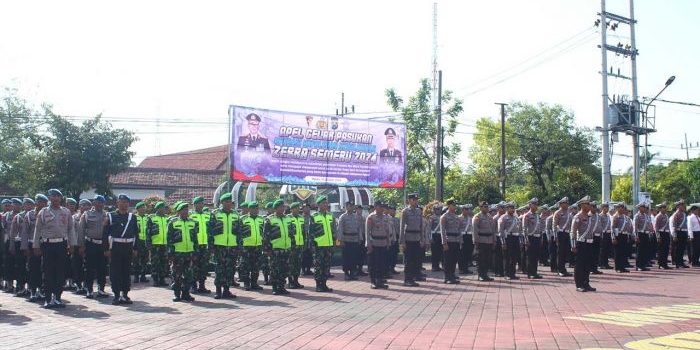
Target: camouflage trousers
[[225, 259], [264, 263], [140, 263], [249, 270], [295, 261], [181, 271], [322, 263], [201, 266], [279, 266], [159, 261]]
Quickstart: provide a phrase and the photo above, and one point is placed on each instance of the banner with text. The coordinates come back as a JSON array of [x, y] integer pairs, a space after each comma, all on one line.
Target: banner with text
[[304, 149]]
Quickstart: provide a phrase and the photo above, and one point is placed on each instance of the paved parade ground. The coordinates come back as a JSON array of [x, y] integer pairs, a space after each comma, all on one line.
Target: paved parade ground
[[639, 310]]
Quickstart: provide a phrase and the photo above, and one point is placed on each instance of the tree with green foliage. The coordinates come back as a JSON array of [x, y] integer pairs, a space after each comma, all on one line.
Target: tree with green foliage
[[421, 128], [622, 189]]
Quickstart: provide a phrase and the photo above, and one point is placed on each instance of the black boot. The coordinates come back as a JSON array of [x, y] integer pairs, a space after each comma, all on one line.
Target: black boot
[[319, 286], [217, 295], [246, 286], [186, 296], [326, 288], [227, 294], [291, 285], [202, 288], [275, 289], [136, 279], [282, 290], [177, 295], [266, 279], [297, 284], [374, 284]]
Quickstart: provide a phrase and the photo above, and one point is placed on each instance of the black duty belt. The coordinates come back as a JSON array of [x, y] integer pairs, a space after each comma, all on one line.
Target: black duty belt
[[453, 234], [379, 237], [485, 234], [412, 231]]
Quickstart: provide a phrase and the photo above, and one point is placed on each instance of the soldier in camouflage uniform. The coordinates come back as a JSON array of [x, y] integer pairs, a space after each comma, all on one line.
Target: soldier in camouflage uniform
[[297, 228], [140, 263], [156, 239], [251, 226], [201, 267], [322, 230], [183, 250], [264, 259], [223, 237], [278, 240]]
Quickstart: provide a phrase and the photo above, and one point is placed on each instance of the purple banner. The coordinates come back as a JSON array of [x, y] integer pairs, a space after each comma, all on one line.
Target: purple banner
[[306, 149]]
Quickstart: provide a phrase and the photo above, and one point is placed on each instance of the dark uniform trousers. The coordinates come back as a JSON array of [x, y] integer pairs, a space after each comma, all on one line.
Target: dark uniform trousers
[[643, 250], [695, 243], [53, 267], [605, 250], [522, 263], [553, 254], [436, 251], [621, 251], [451, 257], [393, 256], [498, 258], [679, 247], [307, 259], [663, 246], [351, 257], [485, 258], [563, 250], [20, 266], [362, 260], [377, 263], [543, 251], [595, 253], [466, 255], [412, 255], [512, 254], [34, 276], [77, 266], [120, 267], [582, 269], [95, 265], [9, 268], [533, 252]]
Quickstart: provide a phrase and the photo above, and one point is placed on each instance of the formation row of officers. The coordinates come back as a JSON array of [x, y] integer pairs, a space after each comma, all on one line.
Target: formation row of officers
[[43, 240]]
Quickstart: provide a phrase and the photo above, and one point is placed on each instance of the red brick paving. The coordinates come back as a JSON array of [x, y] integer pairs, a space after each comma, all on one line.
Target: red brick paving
[[519, 314]]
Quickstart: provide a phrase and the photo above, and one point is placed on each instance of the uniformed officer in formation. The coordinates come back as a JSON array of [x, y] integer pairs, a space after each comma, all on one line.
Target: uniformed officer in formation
[[27, 245], [679, 233], [264, 258], [509, 235], [90, 239], [20, 259], [544, 246], [278, 240], [251, 226], [183, 249], [451, 236], [694, 234], [466, 254], [606, 238], [54, 229], [201, 266], [412, 238], [436, 247], [498, 258], [120, 240], [156, 241], [307, 257], [582, 226], [644, 230], [379, 228], [9, 261], [223, 230], [322, 230], [622, 232], [532, 231], [350, 230], [561, 224], [663, 232], [297, 227], [485, 240], [393, 250], [140, 262], [552, 239]]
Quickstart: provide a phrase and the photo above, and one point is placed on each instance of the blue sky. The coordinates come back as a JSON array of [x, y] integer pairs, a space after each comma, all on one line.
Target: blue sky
[[169, 69]]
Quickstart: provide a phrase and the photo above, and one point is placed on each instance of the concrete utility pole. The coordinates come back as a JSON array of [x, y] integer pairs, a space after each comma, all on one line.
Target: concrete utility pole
[[343, 109], [503, 149], [439, 191], [605, 195]]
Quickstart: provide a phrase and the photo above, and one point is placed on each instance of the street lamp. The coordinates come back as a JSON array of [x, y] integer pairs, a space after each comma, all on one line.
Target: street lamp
[[669, 81]]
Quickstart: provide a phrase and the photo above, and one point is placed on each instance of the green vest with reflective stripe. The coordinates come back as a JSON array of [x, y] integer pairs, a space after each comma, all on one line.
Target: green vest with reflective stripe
[[186, 245], [277, 223], [297, 223], [254, 226], [202, 219], [161, 223], [142, 222], [323, 229], [227, 221]]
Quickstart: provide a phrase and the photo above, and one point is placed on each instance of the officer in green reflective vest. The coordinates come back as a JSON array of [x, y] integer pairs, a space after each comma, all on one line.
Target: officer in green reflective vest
[[322, 230], [201, 267], [156, 239], [183, 249], [251, 226], [278, 240], [223, 237], [141, 261], [296, 222]]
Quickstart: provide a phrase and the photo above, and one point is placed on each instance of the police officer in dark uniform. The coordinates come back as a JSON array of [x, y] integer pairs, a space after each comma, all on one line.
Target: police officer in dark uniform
[[450, 231], [121, 237], [411, 238], [390, 154], [253, 140]]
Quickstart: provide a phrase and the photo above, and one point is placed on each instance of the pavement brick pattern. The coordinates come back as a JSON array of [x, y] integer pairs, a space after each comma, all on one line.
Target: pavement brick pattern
[[649, 310]]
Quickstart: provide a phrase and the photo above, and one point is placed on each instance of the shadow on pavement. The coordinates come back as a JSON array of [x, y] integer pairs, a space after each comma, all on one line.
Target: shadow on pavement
[[255, 302], [12, 318], [371, 294], [210, 305], [80, 311], [142, 306]]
